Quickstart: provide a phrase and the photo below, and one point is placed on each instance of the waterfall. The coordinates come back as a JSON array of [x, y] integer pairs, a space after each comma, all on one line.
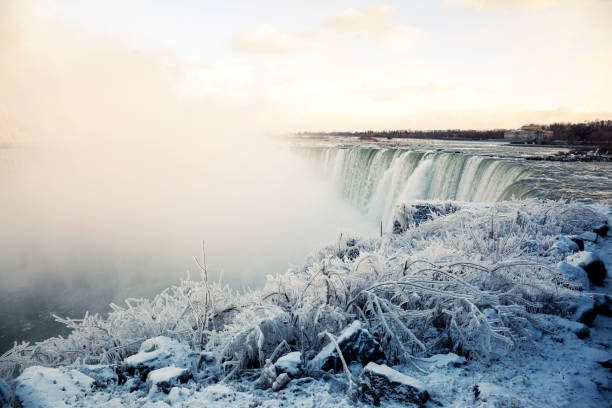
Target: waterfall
[[377, 179]]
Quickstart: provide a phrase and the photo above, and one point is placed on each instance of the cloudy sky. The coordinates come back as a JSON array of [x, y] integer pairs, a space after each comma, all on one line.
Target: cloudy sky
[[326, 65]]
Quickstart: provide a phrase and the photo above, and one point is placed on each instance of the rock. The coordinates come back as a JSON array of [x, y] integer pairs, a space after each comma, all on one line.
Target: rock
[[5, 394], [445, 360], [155, 353], [291, 364], [280, 382], [588, 236], [589, 307], [267, 377], [42, 387], [356, 345], [602, 230], [381, 382], [593, 266], [163, 379], [564, 245], [103, 375], [583, 332], [574, 274], [411, 215], [579, 242], [605, 364]]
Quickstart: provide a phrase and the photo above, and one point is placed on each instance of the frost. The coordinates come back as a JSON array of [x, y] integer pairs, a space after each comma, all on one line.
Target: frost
[[463, 282]]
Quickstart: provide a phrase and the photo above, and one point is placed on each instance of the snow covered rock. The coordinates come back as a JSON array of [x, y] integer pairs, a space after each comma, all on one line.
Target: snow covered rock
[[445, 360], [579, 242], [587, 308], [280, 382], [564, 245], [574, 274], [5, 393], [593, 266], [163, 379], [290, 363], [381, 382], [267, 377], [356, 345], [602, 230], [42, 387], [158, 352], [588, 236], [103, 375]]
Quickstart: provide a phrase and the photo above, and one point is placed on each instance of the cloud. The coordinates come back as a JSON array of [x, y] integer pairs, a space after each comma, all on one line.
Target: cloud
[[396, 92], [267, 40], [372, 24], [511, 5]]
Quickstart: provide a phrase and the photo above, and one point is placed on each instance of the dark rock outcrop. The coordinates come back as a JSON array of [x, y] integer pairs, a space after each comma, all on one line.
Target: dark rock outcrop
[[357, 346], [602, 230], [381, 382], [598, 304], [163, 379], [595, 269], [579, 242]]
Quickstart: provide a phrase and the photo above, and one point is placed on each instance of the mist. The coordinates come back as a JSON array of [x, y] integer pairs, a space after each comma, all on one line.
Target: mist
[[111, 179]]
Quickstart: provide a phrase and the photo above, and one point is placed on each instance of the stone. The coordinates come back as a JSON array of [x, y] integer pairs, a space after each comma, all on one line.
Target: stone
[[267, 377], [357, 346], [155, 353], [280, 382], [589, 308], [163, 379], [602, 230], [579, 242], [574, 274], [41, 387], [583, 333], [564, 245], [103, 375], [592, 265], [382, 383], [588, 236], [291, 364]]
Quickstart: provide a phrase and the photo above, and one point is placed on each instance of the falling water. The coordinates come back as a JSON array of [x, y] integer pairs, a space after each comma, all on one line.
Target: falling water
[[376, 180]]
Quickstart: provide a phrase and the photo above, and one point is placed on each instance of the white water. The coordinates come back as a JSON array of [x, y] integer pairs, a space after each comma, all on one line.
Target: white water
[[376, 180]]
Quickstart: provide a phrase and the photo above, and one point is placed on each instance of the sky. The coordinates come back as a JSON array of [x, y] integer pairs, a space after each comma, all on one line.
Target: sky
[[318, 65]]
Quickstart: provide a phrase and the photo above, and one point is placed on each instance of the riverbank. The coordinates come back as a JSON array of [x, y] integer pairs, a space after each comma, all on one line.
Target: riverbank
[[467, 305], [582, 155]]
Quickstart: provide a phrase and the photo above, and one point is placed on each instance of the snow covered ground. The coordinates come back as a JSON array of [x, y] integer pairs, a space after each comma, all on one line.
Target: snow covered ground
[[478, 306]]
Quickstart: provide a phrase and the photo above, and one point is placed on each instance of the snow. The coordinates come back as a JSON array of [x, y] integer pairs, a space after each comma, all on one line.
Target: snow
[[581, 259], [469, 288], [574, 274], [42, 387], [290, 364], [165, 377], [160, 352], [394, 376], [445, 360]]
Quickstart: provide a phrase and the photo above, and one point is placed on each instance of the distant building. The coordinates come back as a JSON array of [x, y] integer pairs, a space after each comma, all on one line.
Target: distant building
[[530, 134]]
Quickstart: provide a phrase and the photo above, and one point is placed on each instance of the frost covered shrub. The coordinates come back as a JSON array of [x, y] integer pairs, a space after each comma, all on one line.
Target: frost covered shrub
[[464, 281]]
